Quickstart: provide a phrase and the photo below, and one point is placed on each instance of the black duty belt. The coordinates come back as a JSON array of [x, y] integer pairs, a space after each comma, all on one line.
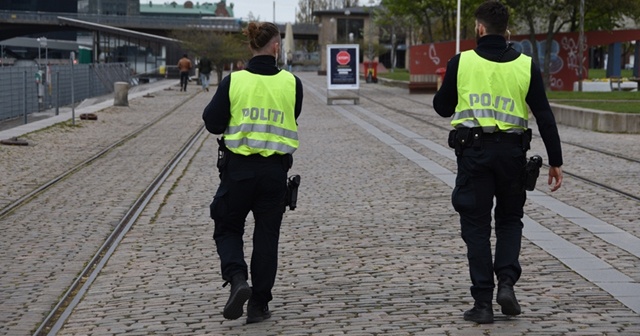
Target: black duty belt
[[474, 137], [501, 137], [256, 157]]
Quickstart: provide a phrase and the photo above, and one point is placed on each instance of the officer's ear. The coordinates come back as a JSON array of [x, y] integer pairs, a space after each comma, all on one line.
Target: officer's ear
[[481, 30]]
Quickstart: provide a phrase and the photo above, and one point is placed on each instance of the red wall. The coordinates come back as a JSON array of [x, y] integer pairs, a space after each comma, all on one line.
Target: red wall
[[564, 63]]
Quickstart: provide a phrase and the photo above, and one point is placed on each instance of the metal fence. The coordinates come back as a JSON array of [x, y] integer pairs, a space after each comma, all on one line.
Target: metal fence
[[28, 89]]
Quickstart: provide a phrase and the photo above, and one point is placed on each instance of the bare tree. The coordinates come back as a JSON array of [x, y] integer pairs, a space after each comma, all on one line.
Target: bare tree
[[221, 48], [307, 7]]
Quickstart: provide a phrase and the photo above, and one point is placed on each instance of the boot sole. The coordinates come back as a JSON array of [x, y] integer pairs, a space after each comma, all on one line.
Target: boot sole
[[479, 321], [256, 319], [509, 305], [235, 307]]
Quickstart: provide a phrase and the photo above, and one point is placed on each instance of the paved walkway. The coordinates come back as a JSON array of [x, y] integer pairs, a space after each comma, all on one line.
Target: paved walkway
[[373, 247]]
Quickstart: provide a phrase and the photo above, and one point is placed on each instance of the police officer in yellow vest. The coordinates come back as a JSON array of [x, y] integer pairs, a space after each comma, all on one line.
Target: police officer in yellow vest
[[486, 92], [256, 109]]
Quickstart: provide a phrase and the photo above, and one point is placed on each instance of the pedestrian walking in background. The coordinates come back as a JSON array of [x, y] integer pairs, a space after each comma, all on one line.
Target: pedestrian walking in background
[[184, 66], [256, 110], [486, 92], [204, 68]]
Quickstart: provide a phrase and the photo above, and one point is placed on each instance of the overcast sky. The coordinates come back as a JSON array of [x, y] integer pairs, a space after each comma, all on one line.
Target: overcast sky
[[263, 9], [285, 10]]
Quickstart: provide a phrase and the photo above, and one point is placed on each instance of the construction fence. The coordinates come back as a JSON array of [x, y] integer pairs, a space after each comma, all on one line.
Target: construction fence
[[29, 89]]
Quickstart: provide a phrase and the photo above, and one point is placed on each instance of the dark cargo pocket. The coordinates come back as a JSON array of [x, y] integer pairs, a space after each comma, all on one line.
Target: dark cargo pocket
[[218, 208], [463, 197]]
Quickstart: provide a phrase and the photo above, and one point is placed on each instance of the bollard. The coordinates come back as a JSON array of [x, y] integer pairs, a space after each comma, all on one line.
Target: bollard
[[121, 94]]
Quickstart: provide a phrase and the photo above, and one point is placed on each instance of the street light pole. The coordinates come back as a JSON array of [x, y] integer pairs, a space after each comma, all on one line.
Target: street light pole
[[581, 46], [346, 28], [42, 42], [458, 29]]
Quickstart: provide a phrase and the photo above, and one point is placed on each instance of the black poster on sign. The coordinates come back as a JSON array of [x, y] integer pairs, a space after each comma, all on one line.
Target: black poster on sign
[[342, 66]]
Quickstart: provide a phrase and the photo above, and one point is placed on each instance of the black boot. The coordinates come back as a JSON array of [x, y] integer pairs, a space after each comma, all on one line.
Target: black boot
[[257, 312], [507, 298], [240, 293], [482, 313]]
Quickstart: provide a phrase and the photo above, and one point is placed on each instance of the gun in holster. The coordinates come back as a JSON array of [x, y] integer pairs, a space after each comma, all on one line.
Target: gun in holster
[[531, 172], [223, 155], [291, 198]]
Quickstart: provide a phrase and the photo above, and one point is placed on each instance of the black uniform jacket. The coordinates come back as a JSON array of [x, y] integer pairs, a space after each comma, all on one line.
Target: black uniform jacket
[[492, 47], [217, 114]]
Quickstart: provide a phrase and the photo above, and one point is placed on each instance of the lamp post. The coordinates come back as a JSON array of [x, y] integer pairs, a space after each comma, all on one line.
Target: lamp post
[[458, 28], [333, 30], [42, 42], [39, 45], [346, 28], [580, 46]]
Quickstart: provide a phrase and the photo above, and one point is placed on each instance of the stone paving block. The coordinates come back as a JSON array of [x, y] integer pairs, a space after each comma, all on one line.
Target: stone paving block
[[373, 249]]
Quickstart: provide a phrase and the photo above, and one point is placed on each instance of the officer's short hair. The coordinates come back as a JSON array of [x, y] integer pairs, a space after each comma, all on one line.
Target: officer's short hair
[[494, 16]]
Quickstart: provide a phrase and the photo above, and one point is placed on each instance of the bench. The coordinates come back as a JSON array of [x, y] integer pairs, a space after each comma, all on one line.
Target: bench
[[424, 83], [422, 87], [618, 80]]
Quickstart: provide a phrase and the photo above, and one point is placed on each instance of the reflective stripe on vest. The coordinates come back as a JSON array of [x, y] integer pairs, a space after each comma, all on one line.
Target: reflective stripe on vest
[[262, 114], [492, 95]]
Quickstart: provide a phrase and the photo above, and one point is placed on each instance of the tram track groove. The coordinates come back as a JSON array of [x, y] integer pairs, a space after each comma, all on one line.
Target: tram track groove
[[594, 235], [592, 181], [30, 195], [386, 265], [593, 232], [63, 309], [93, 210]]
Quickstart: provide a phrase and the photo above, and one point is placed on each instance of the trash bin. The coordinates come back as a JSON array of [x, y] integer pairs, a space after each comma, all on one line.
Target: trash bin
[[440, 73], [371, 71]]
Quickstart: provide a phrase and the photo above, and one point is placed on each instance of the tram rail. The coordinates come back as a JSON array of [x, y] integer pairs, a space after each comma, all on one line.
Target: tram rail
[[44, 186], [578, 176], [58, 315]]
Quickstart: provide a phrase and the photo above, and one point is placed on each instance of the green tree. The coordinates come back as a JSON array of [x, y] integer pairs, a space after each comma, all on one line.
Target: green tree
[[394, 28], [221, 48], [550, 17], [437, 17]]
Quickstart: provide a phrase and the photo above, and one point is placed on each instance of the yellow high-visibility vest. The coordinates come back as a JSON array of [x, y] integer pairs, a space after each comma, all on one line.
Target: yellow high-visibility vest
[[492, 95], [262, 114]]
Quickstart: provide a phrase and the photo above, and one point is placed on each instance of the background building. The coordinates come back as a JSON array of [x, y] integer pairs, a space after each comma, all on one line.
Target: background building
[[114, 7], [189, 9], [64, 6]]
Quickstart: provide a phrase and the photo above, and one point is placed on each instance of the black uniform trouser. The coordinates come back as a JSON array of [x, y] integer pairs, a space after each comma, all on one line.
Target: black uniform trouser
[[255, 184], [491, 169]]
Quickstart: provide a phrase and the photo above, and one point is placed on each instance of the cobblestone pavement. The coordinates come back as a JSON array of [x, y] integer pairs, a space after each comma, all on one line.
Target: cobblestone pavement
[[373, 247], [48, 240]]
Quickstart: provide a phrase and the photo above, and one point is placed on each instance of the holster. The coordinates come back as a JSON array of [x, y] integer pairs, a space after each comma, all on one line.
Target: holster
[[223, 156], [531, 172], [291, 197]]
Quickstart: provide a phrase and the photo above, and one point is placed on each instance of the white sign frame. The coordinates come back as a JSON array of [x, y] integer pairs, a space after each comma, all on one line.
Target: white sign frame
[[334, 70]]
